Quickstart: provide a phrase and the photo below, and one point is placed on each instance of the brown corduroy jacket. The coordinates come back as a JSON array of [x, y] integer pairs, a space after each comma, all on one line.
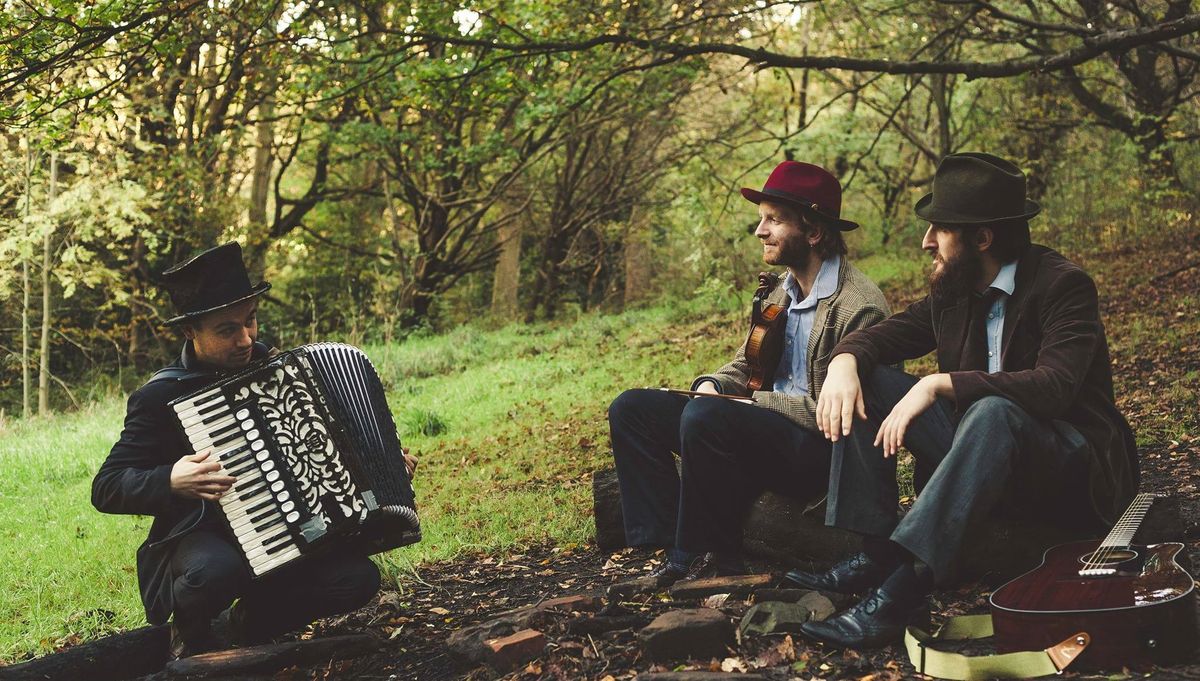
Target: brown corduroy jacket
[[1054, 363], [856, 303]]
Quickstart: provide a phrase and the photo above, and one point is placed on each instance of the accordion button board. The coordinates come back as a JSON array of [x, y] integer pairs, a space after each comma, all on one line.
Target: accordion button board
[[313, 448]]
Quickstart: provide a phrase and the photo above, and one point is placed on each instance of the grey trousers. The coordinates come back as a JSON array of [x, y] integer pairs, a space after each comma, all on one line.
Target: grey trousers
[[996, 459]]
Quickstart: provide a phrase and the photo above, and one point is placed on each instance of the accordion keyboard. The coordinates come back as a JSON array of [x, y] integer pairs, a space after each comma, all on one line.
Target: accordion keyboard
[[311, 443], [259, 507]]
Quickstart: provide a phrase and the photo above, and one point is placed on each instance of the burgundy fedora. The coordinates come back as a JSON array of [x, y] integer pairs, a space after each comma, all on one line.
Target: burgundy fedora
[[806, 185]]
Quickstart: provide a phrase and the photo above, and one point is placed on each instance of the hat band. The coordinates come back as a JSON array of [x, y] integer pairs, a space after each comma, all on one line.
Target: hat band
[[779, 193]]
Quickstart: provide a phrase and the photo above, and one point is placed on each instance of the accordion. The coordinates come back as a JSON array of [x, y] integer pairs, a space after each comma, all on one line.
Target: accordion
[[310, 439]]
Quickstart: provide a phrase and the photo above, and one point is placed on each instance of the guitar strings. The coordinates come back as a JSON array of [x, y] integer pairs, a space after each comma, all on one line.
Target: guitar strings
[[1128, 523]]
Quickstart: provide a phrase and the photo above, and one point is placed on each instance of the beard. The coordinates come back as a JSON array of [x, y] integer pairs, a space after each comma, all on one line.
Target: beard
[[791, 252], [956, 277]]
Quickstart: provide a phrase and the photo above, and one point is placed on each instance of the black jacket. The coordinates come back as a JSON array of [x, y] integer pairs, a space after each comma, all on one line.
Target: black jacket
[[1054, 363], [136, 476]]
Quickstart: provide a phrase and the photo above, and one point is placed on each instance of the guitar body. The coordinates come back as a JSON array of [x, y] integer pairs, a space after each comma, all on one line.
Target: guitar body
[[1144, 612]]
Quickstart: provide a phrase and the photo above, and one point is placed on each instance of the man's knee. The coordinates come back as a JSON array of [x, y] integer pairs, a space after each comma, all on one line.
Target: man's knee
[[708, 418], [353, 582], [217, 579], [994, 411]]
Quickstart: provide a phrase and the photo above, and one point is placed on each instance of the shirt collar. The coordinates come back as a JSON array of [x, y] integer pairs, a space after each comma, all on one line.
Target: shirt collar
[[823, 287], [1006, 278]]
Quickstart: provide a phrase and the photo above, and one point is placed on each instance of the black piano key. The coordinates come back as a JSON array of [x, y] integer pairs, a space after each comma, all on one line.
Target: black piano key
[[253, 490]]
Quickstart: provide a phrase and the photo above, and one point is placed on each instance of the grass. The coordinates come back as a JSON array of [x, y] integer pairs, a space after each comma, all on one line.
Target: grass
[[508, 425]]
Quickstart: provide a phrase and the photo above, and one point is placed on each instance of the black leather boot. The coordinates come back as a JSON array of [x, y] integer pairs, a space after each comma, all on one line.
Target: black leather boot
[[880, 618], [856, 575]]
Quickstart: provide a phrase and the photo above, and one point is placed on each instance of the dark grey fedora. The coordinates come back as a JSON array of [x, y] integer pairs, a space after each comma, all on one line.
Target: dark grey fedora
[[212, 280], [972, 188]]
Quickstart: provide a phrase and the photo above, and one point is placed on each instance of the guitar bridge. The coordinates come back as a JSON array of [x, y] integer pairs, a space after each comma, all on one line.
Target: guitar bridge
[[1097, 572]]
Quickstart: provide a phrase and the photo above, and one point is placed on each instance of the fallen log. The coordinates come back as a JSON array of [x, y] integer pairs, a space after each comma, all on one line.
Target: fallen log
[[267, 659], [794, 533], [121, 656]]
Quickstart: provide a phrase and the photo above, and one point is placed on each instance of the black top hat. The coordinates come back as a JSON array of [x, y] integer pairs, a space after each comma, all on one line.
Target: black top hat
[[212, 280], [972, 188]]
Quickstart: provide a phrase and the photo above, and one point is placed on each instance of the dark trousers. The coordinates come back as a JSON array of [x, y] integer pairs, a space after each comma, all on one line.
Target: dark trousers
[[998, 459], [730, 452], [210, 574]]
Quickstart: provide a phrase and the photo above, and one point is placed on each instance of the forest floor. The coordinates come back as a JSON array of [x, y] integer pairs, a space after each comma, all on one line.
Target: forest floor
[[514, 474], [1150, 297]]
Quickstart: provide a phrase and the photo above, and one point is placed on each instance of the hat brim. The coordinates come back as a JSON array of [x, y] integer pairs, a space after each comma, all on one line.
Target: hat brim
[[944, 217], [258, 290], [756, 197]]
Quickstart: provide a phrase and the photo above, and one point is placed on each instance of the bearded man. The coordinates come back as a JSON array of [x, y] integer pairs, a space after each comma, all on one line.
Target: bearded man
[[731, 450], [1018, 420]]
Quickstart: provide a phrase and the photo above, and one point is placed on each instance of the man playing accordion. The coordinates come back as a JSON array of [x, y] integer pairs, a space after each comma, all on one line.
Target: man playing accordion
[[190, 568]]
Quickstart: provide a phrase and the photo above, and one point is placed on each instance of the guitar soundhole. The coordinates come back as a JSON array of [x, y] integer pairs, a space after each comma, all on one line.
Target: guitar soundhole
[[1107, 557]]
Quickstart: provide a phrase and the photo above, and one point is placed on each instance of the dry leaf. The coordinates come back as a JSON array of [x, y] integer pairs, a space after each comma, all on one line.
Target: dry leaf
[[439, 611]]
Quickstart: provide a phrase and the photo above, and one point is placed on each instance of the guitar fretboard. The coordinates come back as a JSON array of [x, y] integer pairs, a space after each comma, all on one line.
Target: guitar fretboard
[[1121, 535]]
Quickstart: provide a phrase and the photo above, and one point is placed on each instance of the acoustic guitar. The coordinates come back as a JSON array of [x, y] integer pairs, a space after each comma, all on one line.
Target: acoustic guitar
[[1135, 602]]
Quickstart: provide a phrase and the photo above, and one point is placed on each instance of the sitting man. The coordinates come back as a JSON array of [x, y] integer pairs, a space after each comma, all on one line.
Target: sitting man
[[1019, 419], [731, 449], [190, 564]]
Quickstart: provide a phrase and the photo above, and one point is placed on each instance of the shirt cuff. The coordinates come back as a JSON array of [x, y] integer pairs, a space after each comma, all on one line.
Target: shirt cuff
[[705, 379]]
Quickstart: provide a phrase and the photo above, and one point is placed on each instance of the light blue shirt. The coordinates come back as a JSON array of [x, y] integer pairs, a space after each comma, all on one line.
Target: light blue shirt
[[1005, 281], [791, 378]]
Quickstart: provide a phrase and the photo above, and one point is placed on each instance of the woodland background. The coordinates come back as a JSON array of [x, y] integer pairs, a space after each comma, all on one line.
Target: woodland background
[[397, 168], [519, 209]]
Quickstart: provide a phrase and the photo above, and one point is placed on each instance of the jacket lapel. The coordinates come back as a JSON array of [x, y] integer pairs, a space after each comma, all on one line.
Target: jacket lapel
[[951, 334]]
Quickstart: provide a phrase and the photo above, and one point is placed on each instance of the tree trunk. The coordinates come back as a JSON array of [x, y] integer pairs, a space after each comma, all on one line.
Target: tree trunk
[[260, 187], [47, 310], [26, 370], [506, 281], [637, 258]]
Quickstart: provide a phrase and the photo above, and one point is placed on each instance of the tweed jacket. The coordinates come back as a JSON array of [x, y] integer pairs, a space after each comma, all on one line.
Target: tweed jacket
[[856, 303], [136, 476], [1054, 363]]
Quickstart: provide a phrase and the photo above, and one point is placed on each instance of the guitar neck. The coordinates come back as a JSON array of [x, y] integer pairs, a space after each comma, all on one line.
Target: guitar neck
[[1121, 535]]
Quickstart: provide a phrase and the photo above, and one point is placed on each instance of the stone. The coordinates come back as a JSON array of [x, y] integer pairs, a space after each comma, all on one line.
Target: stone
[[777, 617], [738, 585], [509, 652], [697, 633], [610, 522], [564, 604]]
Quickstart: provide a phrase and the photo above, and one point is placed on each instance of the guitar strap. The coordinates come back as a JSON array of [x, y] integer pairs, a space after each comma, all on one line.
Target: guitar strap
[[960, 667]]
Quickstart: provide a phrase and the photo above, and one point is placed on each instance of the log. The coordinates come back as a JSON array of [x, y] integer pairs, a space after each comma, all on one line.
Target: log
[[610, 524], [787, 530], [267, 659], [121, 656]]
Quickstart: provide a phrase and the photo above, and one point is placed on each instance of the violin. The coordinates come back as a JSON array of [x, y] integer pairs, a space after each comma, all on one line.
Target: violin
[[764, 344]]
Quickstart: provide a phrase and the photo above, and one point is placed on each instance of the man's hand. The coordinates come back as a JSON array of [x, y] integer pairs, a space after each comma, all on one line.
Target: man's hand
[[410, 462], [196, 477], [919, 398], [841, 398]]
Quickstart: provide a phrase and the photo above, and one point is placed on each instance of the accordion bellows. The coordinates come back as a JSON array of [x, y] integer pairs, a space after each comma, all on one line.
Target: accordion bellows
[[312, 443]]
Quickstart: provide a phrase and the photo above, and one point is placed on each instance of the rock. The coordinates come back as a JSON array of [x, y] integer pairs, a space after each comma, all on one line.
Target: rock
[[604, 623], [686, 634], [699, 676], [738, 585], [774, 617], [564, 604], [509, 652]]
